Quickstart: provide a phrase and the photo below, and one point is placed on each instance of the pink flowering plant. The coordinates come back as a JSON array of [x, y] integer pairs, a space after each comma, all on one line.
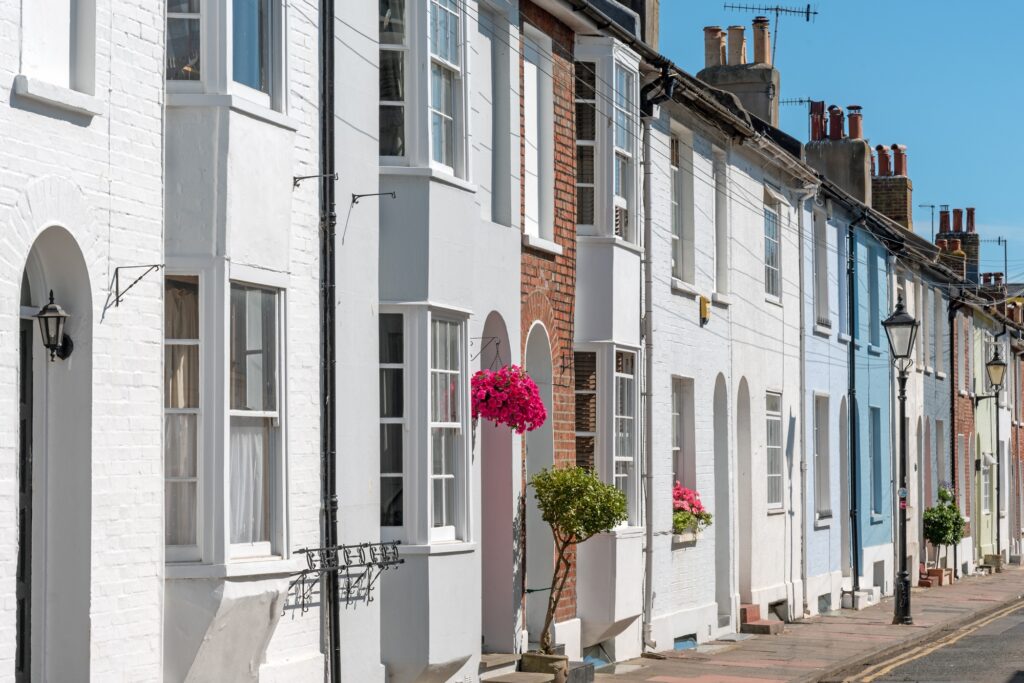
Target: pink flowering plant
[[688, 513], [508, 396]]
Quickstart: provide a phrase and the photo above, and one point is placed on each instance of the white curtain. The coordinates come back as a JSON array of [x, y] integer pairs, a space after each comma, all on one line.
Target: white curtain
[[251, 441]]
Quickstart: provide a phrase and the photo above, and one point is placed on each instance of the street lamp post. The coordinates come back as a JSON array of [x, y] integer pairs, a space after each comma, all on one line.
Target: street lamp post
[[995, 368], [901, 329]]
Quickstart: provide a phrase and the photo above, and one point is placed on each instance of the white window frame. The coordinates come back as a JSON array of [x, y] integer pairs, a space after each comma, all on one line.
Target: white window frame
[[842, 265], [684, 452], [629, 458], [403, 50], [681, 175], [774, 457], [986, 483], [624, 198], [403, 420], [447, 532], [773, 266], [538, 102], [276, 86], [874, 298], [196, 85], [939, 327], [822, 458], [456, 71], [586, 143], [191, 553], [720, 170], [876, 494], [277, 490], [607, 55], [822, 315]]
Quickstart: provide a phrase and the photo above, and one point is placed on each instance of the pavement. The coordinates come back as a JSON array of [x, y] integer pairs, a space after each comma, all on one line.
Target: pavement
[[849, 645]]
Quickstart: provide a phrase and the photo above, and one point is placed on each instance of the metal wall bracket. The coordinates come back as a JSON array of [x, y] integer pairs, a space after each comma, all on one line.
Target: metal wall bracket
[[118, 292], [357, 197]]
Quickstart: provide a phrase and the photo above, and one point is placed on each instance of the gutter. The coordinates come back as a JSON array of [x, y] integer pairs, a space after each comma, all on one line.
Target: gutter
[[328, 335], [952, 308], [999, 465]]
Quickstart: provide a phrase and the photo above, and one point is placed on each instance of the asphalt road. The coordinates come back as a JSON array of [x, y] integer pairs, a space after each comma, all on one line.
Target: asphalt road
[[991, 652]]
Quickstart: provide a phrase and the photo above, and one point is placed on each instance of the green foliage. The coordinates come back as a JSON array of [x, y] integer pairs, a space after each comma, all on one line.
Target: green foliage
[[683, 521], [577, 504], [943, 524]]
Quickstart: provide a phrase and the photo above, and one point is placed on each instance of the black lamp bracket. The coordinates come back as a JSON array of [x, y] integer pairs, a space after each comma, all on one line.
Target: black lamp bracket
[[118, 292], [357, 197]]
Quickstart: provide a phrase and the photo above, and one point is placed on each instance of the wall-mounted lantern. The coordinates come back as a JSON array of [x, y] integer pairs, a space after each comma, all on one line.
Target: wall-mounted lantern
[[51, 326]]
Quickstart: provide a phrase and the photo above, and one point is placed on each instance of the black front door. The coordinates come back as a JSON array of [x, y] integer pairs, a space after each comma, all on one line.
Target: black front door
[[23, 656]]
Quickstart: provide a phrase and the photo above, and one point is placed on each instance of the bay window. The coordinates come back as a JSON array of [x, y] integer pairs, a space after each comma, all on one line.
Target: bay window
[[181, 416], [183, 46], [392, 419], [254, 444], [607, 131]]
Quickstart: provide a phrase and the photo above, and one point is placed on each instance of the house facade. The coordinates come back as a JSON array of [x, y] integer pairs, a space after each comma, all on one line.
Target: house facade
[[81, 200]]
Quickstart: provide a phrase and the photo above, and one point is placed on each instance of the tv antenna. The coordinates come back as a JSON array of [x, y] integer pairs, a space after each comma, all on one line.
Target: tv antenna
[[796, 100], [808, 13]]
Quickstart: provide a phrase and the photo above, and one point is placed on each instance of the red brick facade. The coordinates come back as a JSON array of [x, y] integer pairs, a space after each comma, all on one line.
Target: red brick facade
[[963, 414], [548, 286]]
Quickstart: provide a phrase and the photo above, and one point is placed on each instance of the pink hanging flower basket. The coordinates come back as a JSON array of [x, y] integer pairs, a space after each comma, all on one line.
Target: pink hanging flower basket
[[508, 396]]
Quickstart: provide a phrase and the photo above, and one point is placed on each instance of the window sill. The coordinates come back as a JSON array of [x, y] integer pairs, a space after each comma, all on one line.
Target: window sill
[[267, 566], [929, 370], [776, 511], [439, 548], [843, 337], [723, 300], [613, 240], [773, 300], [57, 96], [429, 173], [940, 375], [822, 330], [962, 393], [874, 350], [823, 521], [876, 518], [540, 244], [234, 103], [684, 288]]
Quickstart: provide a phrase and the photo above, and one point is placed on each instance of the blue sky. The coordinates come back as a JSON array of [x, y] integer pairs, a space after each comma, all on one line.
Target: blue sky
[[943, 78]]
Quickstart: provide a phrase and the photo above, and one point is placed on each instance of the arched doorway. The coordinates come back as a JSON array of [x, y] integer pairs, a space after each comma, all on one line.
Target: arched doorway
[[744, 488], [722, 520], [500, 550], [540, 454], [844, 488], [55, 470]]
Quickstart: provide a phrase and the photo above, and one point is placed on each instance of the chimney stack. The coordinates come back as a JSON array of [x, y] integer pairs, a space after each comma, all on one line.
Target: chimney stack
[[737, 46], [958, 220], [943, 221], [762, 41], [835, 123], [998, 278], [714, 46], [970, 242], [817, 120], [986, 278], [970, 219], [899, 160], [856, 124], [884, 164]]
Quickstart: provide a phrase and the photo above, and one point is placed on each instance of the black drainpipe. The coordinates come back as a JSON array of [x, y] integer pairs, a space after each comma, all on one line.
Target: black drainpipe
[[328, 419], [854, 415], [954, 306]]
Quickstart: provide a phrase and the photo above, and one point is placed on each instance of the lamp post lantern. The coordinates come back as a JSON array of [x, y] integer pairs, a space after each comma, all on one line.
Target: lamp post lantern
[[901, 330], [52, 320]]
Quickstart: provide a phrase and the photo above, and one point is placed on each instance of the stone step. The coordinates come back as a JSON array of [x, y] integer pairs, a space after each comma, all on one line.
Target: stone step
[[523, 677], [763, 627], [749, 613], [495, 664], [924, 583]]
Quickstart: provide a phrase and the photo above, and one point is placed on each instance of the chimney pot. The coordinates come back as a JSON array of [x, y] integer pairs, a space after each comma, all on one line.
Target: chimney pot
[[942, 244], [884, 164], [856, 124], [817, 110], [762, 41], [958, 220], [970, 219], [714, 46], [954, 246], [899, 160], [998, 278], [986, 278], [835, 123], [943, 221], [737, 46]]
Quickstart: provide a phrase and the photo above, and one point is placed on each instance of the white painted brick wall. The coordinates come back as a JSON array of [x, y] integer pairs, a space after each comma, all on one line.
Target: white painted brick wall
[[103, 179]]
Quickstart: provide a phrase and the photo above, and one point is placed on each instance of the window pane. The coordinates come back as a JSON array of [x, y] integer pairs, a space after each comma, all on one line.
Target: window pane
[[180, 513], [391, 338], [181, 376], [585, 205], [391, 400], [585, 164], [391, 449], [392, 22], [182, 49], [392, 131], [253, 441], [444, 30], [181, 307], [586, 121], [586, 81], [442, 104], [182, 6], [251, 42], [392, 76], [438, 494], [253, 348], [180, 445], [391, 504]]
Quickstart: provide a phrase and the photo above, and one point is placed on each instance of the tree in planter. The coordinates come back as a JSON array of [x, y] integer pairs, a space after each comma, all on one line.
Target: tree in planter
[[577, 505], [943, 524]]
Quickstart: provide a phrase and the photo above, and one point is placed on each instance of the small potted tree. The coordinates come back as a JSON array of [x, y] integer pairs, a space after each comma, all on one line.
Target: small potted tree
[[689, 517], [943, 527], [577, 505]]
